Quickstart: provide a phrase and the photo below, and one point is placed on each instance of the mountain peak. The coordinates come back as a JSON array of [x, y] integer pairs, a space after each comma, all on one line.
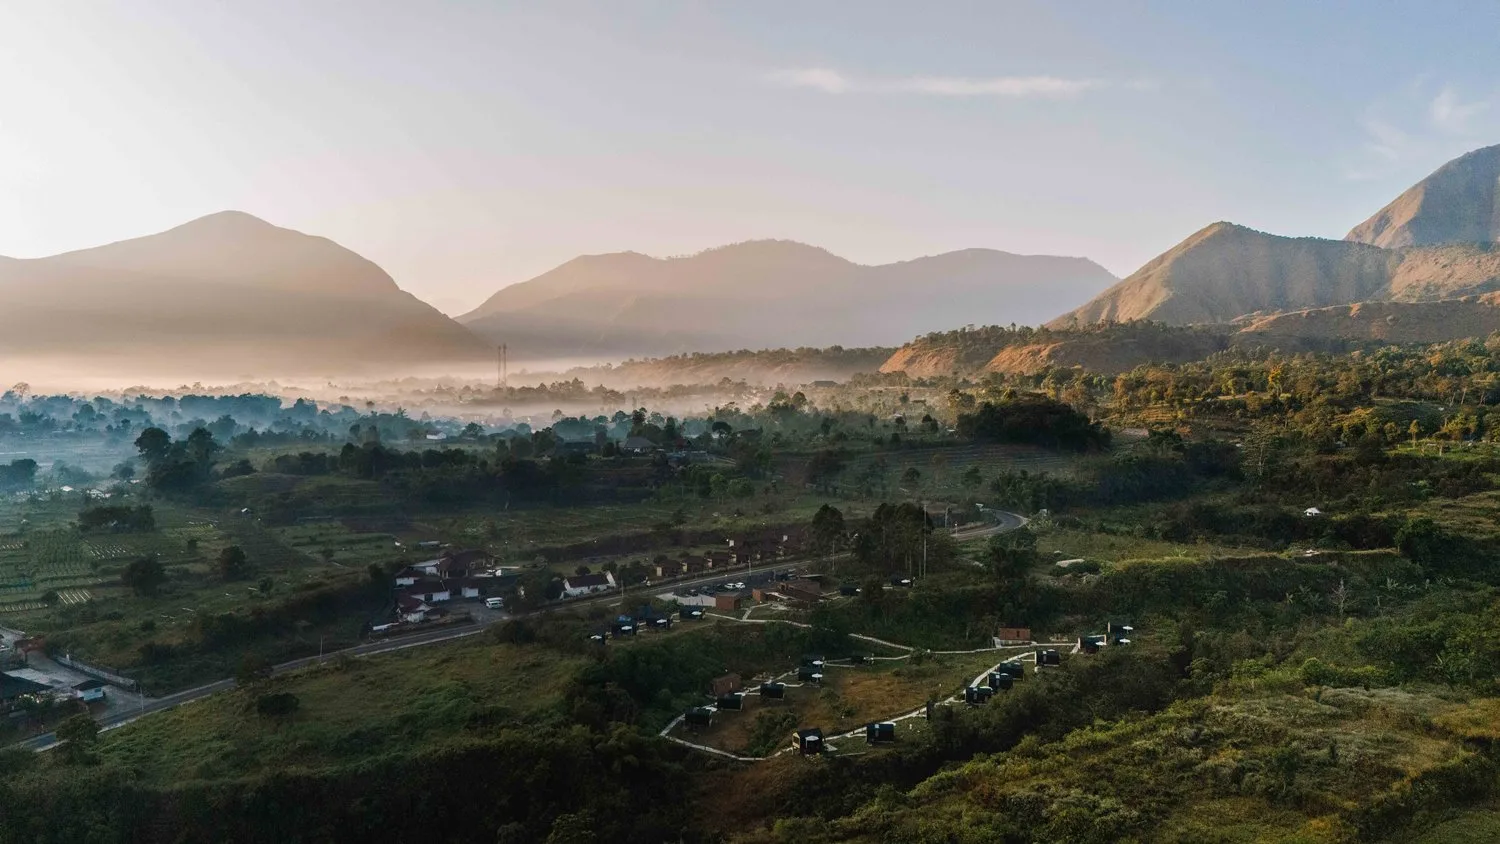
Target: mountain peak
[[1457, 203]]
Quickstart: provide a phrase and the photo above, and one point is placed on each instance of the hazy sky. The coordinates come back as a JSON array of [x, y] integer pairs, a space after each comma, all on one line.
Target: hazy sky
[[468, 145]]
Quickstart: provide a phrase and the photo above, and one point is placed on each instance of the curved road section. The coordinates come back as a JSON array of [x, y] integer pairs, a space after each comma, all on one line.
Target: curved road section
[[1003, 521]]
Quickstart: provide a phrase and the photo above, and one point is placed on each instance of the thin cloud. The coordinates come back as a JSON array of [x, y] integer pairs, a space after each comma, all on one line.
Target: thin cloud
[[1002, 86], [831, 81], [1417, 126], [816, 78], [1450, 114]]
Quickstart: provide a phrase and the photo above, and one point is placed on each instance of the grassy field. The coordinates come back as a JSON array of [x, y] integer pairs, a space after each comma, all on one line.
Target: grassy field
[[349, 709]]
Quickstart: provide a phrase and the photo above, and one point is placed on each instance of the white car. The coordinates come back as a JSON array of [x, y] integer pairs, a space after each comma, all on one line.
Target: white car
[[494, 603]]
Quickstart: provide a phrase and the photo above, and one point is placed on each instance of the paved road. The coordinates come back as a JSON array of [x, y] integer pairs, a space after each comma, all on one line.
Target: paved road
[[47, 741]]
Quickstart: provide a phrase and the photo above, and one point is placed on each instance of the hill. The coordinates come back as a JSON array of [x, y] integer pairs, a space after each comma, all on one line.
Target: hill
[[1378, 322], [1225, 271], [767, 294], [1456, 204], [1105, 349], [1435, 241], [224, 295]]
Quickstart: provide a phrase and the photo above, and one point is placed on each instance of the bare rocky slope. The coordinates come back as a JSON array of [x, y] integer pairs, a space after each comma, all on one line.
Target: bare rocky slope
[[222, 296], [769, 294], [1378, 322], [1457, 203], [1436, 241]]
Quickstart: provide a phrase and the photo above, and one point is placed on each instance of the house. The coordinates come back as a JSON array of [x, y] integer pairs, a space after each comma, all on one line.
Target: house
[[1013, 668], [13, 687], [1014, 635], [1048, 658], [428, 567], [410, 575], [772, 691], [978, 695], [695, 565], [669, 568], [880, 733], [809, 674], [810, 741], [637, 445], [466, 587], [699, 716], [411, 608], [430, 589], [729, 601], [464, 563], [90, 690], [733, 701], [587, 584], [1092, 644], [725, 684], [804, 591], [1001, 681]]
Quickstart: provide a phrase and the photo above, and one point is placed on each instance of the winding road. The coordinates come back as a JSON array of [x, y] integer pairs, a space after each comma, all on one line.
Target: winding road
[[46, 741]]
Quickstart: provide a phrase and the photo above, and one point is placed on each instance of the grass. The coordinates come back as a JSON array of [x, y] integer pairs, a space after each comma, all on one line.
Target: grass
[[1068, 544], [349, 709]]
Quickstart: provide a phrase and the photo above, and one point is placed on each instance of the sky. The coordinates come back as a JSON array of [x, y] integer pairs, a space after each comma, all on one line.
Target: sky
[[464, 146]]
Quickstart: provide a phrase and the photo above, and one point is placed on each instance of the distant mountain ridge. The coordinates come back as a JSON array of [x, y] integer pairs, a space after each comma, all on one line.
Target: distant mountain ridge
[[1434, 242], [224, 295], [769, 294]]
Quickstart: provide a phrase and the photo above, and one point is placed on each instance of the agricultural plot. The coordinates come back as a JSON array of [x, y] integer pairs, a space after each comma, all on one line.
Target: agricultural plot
[[334, 543]]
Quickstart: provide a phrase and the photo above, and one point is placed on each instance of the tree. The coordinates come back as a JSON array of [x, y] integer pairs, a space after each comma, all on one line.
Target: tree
[[277, 704], [233, 564], [79, 733], [252, 669], [145, 575], [1012, 553], [473, 431], [154, 444], [972, 477], [827, 529], [911, 477]]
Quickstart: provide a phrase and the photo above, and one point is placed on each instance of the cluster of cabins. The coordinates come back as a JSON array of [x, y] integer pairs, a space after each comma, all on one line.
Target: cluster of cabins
[[646, 618], [729, 696], [422, 588]]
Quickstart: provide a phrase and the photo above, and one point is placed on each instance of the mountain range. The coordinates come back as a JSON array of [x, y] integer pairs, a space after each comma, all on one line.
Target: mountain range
[[224, 295], [1434, 242], [768, 294], [233, 296]]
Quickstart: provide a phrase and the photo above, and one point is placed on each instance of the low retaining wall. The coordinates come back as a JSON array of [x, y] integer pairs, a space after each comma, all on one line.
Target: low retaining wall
[[96, 672]]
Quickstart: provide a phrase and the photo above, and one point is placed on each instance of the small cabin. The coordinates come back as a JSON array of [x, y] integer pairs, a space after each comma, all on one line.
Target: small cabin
[[813, 660], [1014, 668], [773, 691], [1048, 658], [810, 741], [858, 659], [848, 590], [725, 684], [734, 701], [662, 623], [977, 695], [691, 614], [1001, 682], [1091, 644], [623, 629], [880, 733], [700, 717], [809, 674], [900, 581]]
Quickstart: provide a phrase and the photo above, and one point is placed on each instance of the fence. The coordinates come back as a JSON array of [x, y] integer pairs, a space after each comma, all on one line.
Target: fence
[[100, 673]]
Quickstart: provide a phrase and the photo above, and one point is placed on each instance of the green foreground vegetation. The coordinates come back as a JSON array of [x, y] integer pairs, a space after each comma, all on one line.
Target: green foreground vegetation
[[1305, 546]]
